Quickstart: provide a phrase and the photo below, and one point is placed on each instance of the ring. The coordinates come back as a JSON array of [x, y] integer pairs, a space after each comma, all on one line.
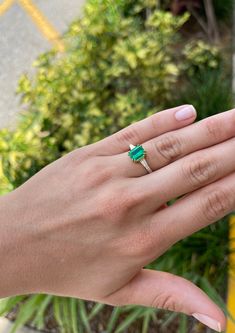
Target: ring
[[137, 154]]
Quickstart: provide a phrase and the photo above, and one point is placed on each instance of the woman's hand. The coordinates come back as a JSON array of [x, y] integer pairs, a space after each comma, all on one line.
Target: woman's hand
[[87, 224]]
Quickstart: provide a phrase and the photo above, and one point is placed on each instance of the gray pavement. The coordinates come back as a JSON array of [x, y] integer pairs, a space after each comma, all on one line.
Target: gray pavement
[[21, 42]]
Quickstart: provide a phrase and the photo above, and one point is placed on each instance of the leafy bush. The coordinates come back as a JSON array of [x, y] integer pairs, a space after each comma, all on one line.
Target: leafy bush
[[209, 91], [201, 57], [120, 66]]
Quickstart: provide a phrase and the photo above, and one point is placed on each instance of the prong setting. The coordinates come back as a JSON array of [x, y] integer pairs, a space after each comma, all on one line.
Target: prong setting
[[137, 154]]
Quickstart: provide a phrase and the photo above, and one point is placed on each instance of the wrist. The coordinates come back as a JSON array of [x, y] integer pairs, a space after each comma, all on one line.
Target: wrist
[[14, 274]]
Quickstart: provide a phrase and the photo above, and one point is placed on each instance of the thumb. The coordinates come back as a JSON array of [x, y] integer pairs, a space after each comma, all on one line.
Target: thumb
[[170, 292]]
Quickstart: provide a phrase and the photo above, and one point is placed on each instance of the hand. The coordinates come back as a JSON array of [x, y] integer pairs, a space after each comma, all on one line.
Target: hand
[[87, 224]]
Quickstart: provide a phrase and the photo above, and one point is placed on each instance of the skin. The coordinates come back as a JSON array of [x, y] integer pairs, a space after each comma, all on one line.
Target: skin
[[87, 224]]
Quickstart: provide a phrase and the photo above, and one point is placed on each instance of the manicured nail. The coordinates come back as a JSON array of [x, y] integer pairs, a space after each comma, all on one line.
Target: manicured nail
[[208, 321], [185, 113]]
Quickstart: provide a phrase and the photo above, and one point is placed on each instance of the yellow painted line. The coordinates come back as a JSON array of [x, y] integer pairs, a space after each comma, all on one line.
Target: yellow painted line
[[5, 6], [42, 23], [231, 281]]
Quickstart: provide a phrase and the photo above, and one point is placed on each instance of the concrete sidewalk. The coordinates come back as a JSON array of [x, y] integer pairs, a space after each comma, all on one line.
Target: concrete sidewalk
[[27, 28]]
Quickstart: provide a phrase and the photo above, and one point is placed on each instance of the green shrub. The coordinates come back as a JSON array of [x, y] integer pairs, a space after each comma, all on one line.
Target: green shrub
[[120, 65], [201, 56], [209, 91]]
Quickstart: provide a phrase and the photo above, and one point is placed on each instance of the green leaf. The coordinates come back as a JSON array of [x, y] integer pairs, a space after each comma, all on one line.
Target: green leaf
[[58, 313], [39, 318], [8, 303], [113, 319], [26, 311], [66, 317], [183, 324], [146, 321], [76, 328], [83, 315], [95, 310], [133, 316], [171, 317]]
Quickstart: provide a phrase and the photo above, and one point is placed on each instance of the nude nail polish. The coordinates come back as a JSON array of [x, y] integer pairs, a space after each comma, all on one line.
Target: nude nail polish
[[208, 321], [185, 112]]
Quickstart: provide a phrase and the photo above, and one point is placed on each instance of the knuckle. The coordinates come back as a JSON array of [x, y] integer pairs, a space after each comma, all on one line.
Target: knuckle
[[104, 175], [199, 170], [96, 172], [154, 121], [165, 301], [213, 128], [129, 195], [169, 147], [129, 134], [118, 201], [217, 204]]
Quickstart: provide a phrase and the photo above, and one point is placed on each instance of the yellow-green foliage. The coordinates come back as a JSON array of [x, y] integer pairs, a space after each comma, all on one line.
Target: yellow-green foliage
[[120, 65], [201, 56]]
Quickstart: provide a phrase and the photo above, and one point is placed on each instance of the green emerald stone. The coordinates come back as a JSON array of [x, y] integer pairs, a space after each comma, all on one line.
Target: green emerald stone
[[137, 153]]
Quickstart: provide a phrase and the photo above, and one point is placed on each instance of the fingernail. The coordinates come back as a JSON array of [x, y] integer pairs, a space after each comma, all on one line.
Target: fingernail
[[208, 321], [185, 113]]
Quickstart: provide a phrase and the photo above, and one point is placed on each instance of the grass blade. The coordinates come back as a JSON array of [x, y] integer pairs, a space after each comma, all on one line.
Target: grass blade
[[125, 324], [95, 310], [113, 319], [183, 324], [169, 320], [57, 313], [146, 322], [26, 311], [8, 303], [83, 315], [66, 318], [74, 316], [38, 321]]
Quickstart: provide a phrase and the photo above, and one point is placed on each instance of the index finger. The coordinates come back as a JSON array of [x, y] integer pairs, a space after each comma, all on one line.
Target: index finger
[[174, 145], [146, 129]]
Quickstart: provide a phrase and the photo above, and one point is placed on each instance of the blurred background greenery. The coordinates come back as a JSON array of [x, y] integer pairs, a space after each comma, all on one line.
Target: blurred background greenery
[[124, 60]]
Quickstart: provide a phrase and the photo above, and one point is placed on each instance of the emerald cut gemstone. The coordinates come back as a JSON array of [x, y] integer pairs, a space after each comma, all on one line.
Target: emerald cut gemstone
[[137, 153]]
